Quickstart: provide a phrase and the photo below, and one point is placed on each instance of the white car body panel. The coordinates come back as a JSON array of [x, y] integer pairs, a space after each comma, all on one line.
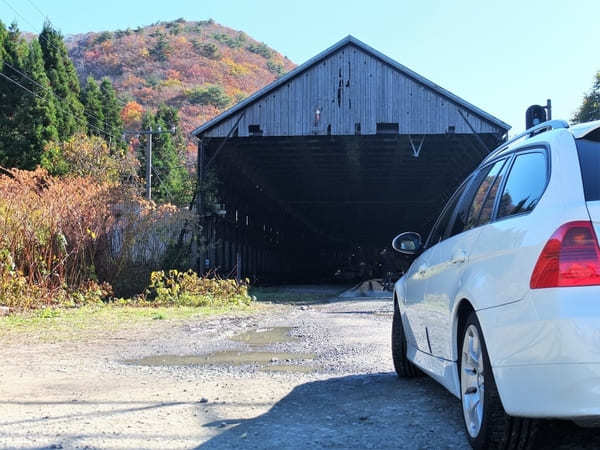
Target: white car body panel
[[414, 293], [543, 344], [448, 262]]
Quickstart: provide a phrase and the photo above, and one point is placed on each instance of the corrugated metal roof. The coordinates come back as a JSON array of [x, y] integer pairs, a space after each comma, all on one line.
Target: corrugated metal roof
[[316, 59]]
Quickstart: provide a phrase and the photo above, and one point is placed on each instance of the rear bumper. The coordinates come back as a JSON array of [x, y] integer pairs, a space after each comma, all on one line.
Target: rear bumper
[[545, 352], [565, 391]]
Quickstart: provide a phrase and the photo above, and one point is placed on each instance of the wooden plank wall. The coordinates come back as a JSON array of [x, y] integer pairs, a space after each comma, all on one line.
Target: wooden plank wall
[[352, 87]]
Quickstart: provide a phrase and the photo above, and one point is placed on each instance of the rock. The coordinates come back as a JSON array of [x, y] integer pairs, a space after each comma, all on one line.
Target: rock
[[4, 311]]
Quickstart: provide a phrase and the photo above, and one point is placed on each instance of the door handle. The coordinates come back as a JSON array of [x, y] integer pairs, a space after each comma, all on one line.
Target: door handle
[[459, 257], [422, 269]]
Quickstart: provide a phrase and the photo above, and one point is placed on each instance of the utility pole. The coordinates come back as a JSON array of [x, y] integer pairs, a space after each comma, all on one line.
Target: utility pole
[[149, 133], [149, 165]]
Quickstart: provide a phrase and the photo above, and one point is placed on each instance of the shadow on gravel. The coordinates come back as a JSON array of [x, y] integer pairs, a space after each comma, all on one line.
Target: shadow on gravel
[[359, 411], [371, 411]]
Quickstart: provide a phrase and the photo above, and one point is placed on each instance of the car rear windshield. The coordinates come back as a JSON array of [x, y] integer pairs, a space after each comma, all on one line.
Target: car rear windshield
[[589, 161]]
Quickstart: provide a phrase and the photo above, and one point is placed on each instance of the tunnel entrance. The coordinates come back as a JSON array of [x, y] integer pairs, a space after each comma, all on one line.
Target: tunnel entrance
[[318, 172], [325, 208]]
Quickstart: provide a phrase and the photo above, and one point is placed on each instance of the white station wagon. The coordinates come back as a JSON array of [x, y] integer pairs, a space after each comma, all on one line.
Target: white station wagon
[[501, 304]]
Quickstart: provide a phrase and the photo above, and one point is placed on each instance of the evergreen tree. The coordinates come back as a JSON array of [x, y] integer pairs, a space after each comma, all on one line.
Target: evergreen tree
[[64, 82], [113, 125], [91, 98], [590, 108], [36, 116], [3, 38], [14, 52], [170, 180]]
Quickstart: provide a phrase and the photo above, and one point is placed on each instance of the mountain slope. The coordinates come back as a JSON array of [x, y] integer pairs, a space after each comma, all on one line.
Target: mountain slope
[[199, 67]]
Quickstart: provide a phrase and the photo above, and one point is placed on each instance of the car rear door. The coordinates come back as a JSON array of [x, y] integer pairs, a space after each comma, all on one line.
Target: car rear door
[[451, 255], [503, 257], [418, 276]]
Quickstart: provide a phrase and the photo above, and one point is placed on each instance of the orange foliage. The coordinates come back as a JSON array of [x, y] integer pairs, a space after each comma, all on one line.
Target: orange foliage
[[137, 74], [132, 113]]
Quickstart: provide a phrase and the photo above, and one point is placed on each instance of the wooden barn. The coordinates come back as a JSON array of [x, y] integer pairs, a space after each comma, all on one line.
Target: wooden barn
[[323, 167]]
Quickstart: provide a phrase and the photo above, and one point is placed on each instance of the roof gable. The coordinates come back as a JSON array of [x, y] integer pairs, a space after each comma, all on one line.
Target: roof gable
[[348, 41]]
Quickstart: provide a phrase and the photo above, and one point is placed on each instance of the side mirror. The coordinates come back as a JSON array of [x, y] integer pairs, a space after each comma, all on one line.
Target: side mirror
[[409, 243]]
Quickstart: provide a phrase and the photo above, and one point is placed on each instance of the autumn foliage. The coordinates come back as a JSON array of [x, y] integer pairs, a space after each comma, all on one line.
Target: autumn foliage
[[166, 61], [131, 114], [49, 232], [67, 240]]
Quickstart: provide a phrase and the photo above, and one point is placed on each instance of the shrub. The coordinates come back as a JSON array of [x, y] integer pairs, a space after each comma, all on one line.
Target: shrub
[[89, 156], [210, 94], [208, 50], [275, 67], [162, 49], [189, 289], [231, 42], [121, 33], [49, 232], [103, 37], [260, 49]]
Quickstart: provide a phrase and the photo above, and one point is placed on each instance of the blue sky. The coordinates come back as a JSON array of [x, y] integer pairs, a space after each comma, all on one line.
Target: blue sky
[[500, 56]]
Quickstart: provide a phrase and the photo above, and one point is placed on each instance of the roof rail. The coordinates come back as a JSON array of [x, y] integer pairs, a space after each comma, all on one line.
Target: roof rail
[[537, 129]]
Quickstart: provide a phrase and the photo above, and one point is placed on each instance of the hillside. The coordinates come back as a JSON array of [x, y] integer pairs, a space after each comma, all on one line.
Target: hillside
[[199, 67]]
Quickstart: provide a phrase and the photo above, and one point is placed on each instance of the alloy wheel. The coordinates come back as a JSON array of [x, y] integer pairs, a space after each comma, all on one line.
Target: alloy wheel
[[472, 380]]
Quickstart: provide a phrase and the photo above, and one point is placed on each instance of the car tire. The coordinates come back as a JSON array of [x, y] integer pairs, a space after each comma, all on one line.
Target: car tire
[[490, 427], [404, 367]]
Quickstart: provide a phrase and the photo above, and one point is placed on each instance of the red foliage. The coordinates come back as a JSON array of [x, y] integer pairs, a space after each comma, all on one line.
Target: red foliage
[[126, 58]]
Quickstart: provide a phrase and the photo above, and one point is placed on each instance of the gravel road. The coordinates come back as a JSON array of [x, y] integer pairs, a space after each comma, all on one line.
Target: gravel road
[[289, 376]]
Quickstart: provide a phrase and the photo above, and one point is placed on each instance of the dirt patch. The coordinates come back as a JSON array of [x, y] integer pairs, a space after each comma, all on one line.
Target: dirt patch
[[226, 382], [265, 336], [224, 358]]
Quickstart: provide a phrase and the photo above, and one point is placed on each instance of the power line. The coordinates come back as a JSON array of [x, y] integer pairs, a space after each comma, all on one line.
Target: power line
[[49, 89], [163, 184], [45, 99], [40, 35], [38, 9]]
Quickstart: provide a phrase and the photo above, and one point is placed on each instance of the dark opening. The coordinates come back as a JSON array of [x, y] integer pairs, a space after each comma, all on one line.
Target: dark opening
[[254, 130], [387, 128], [332, 205]]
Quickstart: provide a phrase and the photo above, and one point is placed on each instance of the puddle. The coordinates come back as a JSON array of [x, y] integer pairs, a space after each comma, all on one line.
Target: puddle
[[269, 361], [265, 336], [229, 358]]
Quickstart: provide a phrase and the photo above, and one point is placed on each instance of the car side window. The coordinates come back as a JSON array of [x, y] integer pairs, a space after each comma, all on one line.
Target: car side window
[[525, 184], [471, 204], [480, 200], [439, 229], [485, 215]]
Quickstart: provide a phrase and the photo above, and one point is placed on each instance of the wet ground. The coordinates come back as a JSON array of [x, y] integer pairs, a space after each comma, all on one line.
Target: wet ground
[[312, 375]]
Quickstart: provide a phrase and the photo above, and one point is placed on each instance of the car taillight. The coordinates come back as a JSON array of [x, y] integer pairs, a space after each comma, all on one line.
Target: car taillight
[[571, 257]]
